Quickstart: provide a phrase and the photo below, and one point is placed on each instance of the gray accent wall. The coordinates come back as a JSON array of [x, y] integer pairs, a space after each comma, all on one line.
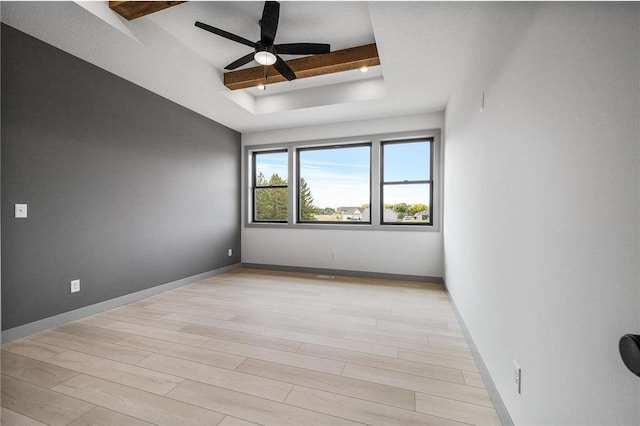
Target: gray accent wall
[[126, 190]]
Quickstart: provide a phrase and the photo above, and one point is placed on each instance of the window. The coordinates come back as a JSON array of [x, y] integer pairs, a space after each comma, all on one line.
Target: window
[[406, 183], [270, 176], [334, 184], [378, 182]]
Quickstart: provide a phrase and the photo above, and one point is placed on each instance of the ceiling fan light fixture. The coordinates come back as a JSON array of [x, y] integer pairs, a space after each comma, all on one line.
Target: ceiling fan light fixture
[[264, 57]]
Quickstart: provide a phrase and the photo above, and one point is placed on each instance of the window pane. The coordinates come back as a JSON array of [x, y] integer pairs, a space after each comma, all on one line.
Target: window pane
[[407, 203], [407, 161], [271, 204], [335, 184], [271, 168]]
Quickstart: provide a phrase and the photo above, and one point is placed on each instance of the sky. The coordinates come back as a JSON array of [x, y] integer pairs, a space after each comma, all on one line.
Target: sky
[[340, 177]]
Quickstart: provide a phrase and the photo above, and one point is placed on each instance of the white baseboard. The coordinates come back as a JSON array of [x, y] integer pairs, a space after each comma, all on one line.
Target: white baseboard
[[344, 272], [501, 409]]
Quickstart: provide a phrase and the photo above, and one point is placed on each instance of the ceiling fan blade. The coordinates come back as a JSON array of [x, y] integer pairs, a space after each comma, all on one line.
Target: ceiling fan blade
[[302, 48], [240, 62], [269, 22], [225, 34], [284, 69]]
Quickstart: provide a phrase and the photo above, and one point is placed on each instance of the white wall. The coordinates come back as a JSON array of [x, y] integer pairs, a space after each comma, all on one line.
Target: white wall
[[393, 252], [541, 220]]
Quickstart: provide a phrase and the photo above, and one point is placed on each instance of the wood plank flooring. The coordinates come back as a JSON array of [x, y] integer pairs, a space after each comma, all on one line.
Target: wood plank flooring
[[254, 347]]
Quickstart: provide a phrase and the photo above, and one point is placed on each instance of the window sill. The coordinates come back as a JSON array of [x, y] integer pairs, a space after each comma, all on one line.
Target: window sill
[[350, 227]]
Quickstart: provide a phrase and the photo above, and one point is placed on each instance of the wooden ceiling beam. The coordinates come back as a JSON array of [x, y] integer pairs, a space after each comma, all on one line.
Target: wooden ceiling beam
[[135, 9], [309, 66]]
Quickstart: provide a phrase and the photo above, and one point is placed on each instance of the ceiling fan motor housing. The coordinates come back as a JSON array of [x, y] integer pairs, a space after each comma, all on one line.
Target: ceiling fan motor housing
[[260, 46]]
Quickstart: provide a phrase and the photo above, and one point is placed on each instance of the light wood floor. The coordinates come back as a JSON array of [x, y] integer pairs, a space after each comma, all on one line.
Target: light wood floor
[[254, 347]]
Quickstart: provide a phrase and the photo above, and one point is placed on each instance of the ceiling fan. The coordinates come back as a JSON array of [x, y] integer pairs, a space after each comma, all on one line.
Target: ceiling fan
[[265, 51]]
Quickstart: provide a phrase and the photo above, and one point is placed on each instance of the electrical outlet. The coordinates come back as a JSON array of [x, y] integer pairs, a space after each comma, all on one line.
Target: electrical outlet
[[517, 376], [75, 286], [332, 256], [230, 252]]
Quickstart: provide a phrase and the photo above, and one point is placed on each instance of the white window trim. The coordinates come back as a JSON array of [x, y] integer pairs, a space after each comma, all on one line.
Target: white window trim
[[375, 140]]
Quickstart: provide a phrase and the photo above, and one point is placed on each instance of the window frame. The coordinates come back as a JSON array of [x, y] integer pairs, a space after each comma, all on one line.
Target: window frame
[[255, 187], [298, 177], [376, 218], [429, 181]]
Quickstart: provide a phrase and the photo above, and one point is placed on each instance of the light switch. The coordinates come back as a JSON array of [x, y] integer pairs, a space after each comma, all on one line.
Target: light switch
[[21, 211]]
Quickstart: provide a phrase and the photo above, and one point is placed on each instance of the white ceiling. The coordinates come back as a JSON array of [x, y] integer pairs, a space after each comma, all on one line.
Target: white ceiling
[[420, 46]]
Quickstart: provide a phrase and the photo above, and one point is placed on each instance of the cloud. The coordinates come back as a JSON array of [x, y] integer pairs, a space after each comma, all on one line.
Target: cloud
[[332, 189]]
